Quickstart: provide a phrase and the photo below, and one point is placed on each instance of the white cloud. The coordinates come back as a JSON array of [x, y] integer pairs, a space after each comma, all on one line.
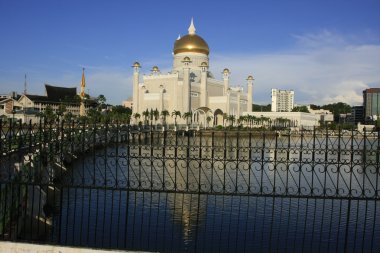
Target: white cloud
[[321, 72], [321, 39]]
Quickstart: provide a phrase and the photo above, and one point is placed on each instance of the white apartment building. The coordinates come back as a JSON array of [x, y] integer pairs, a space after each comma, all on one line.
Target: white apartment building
[[282, 100]]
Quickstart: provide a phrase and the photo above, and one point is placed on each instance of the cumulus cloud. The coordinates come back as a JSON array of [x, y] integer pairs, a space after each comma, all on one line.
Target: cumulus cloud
[[318, 70]]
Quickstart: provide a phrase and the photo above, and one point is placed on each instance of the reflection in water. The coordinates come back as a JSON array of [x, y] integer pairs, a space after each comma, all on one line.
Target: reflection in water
[[105, 214], [179, 222]]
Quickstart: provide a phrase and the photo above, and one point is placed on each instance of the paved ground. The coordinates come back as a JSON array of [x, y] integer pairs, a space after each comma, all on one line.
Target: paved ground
[[12, 247]]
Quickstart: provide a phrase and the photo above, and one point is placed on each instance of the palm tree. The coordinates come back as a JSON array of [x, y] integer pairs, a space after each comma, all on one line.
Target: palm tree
[[102, 101], [151, 116], [187, 116], [267, 120], [231, 119], [156, 114], [164, 114], [128, 117], [176, 114], [282, 122], [242, 119], [249, 120], [136, 116], [146, 116]]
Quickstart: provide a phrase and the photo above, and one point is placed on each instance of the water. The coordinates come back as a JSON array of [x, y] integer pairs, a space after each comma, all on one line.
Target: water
[[178, 222], [97, 210]]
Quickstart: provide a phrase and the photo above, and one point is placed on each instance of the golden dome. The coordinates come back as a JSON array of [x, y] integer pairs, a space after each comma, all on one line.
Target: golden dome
[[250, 78], [191, 43], [155, 69], [186, 59], [204, 64], [136, 64], [226, 71]]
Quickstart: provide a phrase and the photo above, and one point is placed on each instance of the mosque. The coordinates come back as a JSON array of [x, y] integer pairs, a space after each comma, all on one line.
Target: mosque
[[190, 86]]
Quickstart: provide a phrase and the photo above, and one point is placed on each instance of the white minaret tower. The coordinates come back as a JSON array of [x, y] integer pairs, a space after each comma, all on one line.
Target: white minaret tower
[[186, 84], [203, 91], [136, 69], [249, 93], [226, 77], [238, 102]]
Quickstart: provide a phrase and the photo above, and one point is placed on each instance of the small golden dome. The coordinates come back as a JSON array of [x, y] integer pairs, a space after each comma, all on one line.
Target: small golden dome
[[191, 43], [136, 65], [226, 71], [250, 78], [186, 59], [204, 64], [155, 69]]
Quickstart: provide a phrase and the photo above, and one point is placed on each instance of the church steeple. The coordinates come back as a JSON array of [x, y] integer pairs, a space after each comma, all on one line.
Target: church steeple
[[191, 27]]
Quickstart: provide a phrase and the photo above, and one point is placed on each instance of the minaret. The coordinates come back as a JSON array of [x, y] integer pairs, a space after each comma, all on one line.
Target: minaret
[[228, 101], [203, 91], [186, 84], [249, 93], [238, 103], [136, 69], [82, 110], [226, 77]]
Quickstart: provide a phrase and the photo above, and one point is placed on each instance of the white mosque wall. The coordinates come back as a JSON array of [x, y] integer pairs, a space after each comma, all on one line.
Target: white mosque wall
[[195, 58]]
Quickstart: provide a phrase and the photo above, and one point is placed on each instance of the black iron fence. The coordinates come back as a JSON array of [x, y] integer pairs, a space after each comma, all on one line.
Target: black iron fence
[[116, 186]]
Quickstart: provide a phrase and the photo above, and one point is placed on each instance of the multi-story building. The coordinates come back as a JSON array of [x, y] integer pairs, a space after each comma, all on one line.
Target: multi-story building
[[28, 106], [128, 103], [357, 114], [371, 103], [282, 100]]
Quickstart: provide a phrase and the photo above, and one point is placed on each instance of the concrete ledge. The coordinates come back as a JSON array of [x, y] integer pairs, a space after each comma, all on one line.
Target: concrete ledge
[[16, 247]]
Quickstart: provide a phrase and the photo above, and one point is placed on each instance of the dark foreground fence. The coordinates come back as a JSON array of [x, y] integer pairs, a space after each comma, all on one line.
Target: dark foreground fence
[[116, 186]]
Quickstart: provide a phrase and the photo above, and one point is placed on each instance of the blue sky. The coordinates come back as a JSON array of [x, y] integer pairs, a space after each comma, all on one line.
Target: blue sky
[[326, 51]]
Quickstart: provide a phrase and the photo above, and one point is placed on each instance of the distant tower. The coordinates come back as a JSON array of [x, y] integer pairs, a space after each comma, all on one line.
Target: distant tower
[[204, 95], [25, 85], [226, 77], [82, 111], [249, 93], [136, 93], [186, 81]]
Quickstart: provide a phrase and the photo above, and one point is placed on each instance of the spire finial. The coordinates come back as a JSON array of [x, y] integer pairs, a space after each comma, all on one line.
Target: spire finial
[[191, 27], [179, 36], [83, 82]]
